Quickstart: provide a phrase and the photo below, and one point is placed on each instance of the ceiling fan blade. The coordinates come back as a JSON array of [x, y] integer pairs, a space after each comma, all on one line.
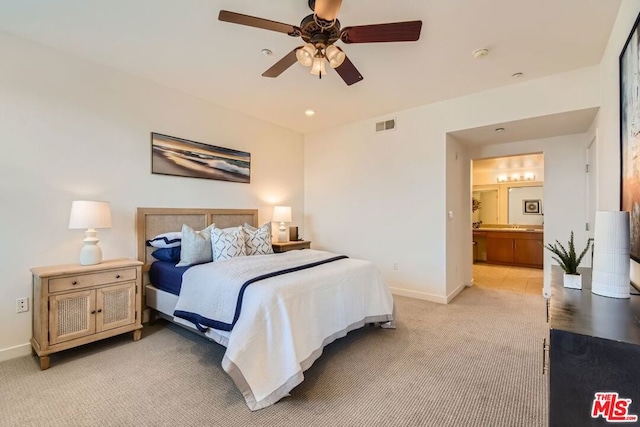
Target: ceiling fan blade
[[252, 21], [408, 31], [279, 67], [349, 72], [327, 9]]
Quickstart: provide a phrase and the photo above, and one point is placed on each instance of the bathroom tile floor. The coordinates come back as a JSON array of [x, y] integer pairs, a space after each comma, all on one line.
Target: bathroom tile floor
[[514, 279]]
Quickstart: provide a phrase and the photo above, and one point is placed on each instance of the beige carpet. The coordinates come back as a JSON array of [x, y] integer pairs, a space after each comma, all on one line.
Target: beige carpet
[[474, 362]]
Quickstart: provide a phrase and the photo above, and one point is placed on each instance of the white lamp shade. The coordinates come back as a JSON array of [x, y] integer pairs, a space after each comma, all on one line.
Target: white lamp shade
[[282, 213], [318, 66], [335, 56], [611, 264], [90, 214], [305, 54]]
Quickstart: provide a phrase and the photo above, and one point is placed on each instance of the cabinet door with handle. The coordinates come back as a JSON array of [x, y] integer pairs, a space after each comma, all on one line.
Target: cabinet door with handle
[[528, 252], [115, 306], [71, 316]]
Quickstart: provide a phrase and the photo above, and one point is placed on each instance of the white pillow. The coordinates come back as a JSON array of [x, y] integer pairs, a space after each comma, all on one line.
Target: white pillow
[[257, 241], [227, 243], [196, 246], [166, 240]]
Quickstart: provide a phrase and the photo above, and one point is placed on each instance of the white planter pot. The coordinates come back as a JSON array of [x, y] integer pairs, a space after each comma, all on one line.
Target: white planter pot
[[573, 281]]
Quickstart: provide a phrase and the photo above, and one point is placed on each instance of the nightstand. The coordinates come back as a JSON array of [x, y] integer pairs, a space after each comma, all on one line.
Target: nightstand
[[290, 246], [77, 304]]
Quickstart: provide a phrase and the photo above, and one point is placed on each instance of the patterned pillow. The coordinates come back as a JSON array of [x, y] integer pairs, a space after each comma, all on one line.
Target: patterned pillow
[[227, 243], [166, 240], [196, 246], [257, 241]]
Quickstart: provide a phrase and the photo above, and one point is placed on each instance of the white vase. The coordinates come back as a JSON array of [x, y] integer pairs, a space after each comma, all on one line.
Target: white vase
[[573, 281]]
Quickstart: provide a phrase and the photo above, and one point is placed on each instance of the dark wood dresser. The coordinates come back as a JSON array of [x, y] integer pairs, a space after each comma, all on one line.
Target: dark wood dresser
[[594, 347]]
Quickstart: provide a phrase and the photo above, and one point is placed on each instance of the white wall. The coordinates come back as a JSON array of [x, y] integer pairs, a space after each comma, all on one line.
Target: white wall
[[70, 129], [608, 120], [384, 197]]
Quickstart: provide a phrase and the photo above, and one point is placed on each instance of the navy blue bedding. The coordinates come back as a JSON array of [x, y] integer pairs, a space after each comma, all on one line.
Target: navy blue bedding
[[166, 276]]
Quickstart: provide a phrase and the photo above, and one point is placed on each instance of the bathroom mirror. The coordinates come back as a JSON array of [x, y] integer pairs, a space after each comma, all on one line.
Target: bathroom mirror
[[487, 213], [504, 203], [525, 205]]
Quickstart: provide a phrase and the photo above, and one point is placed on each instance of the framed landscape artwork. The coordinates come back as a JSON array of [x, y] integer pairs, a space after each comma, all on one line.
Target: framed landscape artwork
[[181, 157], [630, 136]]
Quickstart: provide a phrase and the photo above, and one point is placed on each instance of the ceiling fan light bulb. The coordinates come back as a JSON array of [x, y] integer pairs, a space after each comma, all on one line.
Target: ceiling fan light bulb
[[305, 54], [318, 66], [335, 56]]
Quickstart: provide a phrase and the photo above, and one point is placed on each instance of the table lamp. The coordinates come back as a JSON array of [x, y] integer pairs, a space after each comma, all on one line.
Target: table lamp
[[90, 215], [282, 214]]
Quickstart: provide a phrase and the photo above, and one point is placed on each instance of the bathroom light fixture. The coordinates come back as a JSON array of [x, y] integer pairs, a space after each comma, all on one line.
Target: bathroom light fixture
[[309, 112], [526, 176], [282, 214], [90, 215]]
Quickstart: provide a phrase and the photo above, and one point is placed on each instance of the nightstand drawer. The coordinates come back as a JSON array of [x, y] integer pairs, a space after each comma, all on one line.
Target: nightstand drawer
[[93, 279]]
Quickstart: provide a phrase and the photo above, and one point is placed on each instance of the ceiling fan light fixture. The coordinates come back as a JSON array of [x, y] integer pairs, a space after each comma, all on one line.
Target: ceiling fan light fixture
[[306, 54], [318, 69], [335, 56]]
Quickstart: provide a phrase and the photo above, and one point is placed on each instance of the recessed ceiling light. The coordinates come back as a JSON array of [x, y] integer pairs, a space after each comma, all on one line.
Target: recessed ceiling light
[[266, 52], [479, 53], [517, 75], [309, 113], [499, 129]]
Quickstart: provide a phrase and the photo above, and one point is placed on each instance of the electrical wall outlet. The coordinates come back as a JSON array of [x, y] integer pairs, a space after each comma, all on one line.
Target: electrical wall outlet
[[395, 265], [22, 305]]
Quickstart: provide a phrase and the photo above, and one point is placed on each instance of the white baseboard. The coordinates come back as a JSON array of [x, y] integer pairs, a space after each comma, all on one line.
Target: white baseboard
[[13, 352], [431, 297], [419, 295], [456, 291]]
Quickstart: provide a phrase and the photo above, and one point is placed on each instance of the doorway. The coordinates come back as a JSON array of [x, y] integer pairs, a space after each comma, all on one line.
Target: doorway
[[508, 222]]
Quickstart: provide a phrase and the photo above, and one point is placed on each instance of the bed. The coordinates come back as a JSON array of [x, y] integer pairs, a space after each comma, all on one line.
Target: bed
[[275, 325]]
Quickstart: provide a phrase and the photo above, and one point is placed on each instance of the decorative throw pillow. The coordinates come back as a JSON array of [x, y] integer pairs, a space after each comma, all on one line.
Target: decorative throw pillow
[[166, 240], [167, 254], [227, 243], [196, 246], [257, 241]]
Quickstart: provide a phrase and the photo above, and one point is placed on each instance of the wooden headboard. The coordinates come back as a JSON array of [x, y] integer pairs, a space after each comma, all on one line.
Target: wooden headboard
[[153, 221]]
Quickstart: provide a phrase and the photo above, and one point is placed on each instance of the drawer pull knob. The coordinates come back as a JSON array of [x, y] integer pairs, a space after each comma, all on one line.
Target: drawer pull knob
[[117, 276], [75, 282], [93, 312], [100, 311]]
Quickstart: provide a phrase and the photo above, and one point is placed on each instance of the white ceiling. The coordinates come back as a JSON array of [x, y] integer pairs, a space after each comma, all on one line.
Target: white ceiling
[[181, 44]]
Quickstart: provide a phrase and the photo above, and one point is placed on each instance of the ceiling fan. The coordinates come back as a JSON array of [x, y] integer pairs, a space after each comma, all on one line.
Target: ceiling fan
[[320, 31]]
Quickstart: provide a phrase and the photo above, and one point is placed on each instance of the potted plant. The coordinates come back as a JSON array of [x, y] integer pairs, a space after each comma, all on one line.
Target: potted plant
[[569, 262]]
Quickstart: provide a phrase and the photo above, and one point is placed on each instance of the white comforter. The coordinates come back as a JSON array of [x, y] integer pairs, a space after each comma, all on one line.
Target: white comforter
[[286, 320]]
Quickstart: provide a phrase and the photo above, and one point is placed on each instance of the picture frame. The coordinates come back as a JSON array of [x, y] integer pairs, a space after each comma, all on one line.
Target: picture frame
[[175, 156], [531, 207], [629, 80]]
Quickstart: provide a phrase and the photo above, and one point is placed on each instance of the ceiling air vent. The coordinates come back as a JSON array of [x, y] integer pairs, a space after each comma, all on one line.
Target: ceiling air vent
[[386, 125]]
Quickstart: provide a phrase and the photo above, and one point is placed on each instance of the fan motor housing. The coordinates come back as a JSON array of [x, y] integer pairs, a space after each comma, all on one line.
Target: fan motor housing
[[311, 32]]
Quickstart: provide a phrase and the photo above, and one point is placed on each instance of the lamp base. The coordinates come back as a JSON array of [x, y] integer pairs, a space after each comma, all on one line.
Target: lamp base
[[282, 234], [91, 253]]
